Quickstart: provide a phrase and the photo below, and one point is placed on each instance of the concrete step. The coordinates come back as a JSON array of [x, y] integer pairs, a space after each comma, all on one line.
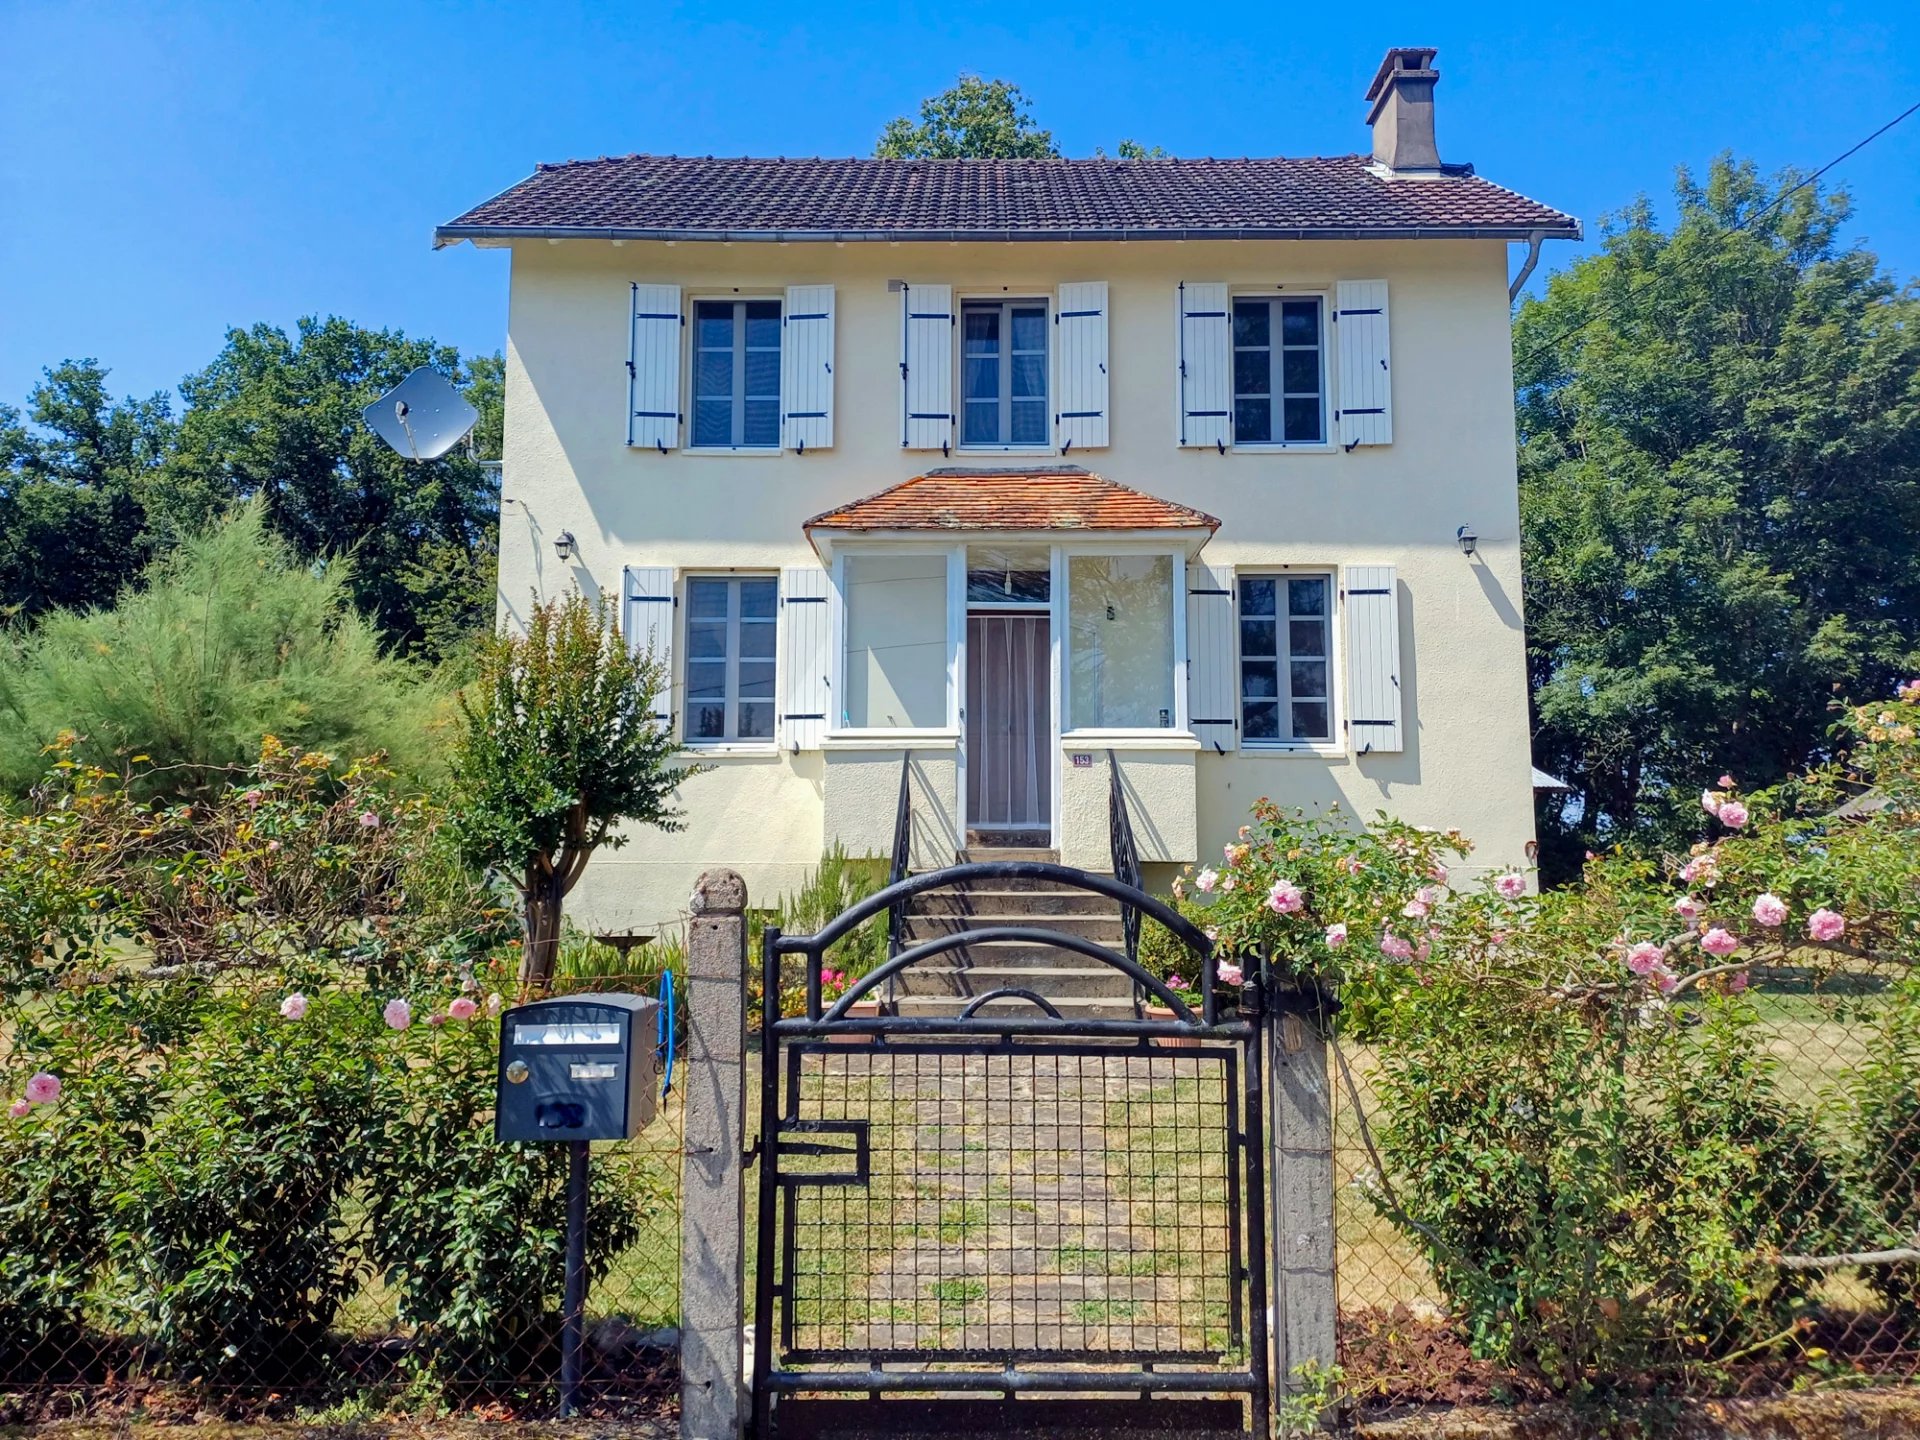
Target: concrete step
[[980, 854], [1072, 1007], [1000, 901], [1105, 929], [1051, 982], [1015, 953]]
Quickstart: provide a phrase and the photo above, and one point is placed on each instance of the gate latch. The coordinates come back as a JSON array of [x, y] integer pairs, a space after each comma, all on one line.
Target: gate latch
[[809, 1161]]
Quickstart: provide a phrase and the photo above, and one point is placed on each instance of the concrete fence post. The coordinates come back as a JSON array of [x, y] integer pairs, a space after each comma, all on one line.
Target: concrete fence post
[[1302, 1230], [712, 1210]]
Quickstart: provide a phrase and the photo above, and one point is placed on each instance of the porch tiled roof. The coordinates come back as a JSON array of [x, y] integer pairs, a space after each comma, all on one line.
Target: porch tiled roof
[[1062, 497]]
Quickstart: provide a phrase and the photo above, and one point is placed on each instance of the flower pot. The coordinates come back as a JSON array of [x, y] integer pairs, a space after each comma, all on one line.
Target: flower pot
[[1169, 1042], [859, 1010]]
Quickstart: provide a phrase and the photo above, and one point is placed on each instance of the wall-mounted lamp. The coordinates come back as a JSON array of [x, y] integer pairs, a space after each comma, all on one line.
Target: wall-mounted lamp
[[1468, 540], [566, 547]]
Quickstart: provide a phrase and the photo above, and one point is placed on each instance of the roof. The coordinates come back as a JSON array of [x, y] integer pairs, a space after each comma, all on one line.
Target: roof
[[1062, 497], [672, 197]]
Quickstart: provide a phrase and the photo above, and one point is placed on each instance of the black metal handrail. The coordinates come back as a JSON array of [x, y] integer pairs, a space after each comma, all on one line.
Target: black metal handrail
[[1126, 854], [902, 854]]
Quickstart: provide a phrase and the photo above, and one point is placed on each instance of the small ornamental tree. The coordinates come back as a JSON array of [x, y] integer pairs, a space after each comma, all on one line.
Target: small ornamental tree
[[558, 746]]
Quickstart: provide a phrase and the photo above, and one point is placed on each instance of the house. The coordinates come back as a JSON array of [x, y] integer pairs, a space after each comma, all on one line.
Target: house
[[1020, 477]]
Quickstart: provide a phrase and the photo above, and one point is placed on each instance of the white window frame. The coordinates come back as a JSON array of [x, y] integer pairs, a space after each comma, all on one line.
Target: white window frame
[[731, 741], [1011, 295], [1180, 730], [690, 362], [1334, 744], [956, 559], [1322, 294]]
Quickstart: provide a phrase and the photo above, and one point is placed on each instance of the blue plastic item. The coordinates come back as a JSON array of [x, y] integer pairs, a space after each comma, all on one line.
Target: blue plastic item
[[666, 1033]]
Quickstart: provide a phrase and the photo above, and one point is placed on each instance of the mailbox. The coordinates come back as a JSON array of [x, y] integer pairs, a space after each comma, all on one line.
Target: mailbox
[[578, 1067]]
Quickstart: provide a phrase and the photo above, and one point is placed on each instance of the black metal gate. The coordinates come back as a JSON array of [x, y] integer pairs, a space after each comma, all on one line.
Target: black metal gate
[[959, 1216]]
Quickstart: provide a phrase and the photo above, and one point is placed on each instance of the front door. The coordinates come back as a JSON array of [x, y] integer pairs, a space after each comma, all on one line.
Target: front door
[[1009, 722]]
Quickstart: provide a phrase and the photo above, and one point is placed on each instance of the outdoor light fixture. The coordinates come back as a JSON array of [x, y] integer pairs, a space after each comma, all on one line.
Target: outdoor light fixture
[[564, 545], [1464, 535]]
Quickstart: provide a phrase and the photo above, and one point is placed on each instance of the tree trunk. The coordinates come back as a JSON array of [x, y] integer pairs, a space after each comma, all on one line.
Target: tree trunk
[[545, 890]]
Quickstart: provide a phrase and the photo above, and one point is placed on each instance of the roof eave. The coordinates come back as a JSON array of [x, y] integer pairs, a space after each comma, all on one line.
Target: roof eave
[[1564, 229]]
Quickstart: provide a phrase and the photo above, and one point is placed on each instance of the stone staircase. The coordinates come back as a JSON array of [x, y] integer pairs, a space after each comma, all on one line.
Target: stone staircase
[[1074, 984]]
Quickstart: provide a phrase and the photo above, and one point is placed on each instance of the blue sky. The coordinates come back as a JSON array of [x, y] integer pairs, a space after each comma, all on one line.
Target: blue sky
[[167, 171]]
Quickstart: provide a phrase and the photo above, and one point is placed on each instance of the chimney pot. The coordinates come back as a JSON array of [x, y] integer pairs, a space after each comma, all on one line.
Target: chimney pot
[[1400, 112]]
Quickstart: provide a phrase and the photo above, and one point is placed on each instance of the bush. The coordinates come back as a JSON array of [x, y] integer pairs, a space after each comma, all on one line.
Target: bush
[[1886, 1094], [228, 641]]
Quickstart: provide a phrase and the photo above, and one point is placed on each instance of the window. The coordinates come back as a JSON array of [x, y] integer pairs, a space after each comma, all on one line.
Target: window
[[1279, 372], [736, 374], [730, 635], [1285, 628], [1003, 359], [896, 630], [1120, 629], [1009, 574]]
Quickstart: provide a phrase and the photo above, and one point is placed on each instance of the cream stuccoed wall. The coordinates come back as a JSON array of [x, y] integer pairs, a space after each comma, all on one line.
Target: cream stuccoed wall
[[1451, 462]]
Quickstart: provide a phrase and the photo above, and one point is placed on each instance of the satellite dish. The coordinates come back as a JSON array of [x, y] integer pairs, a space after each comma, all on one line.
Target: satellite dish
[[423, 417]]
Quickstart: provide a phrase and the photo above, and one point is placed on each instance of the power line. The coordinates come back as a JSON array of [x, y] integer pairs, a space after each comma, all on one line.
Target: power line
[[1605, 311]]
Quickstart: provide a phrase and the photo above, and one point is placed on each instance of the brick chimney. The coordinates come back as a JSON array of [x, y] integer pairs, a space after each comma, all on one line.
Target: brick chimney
[[1401, 113]]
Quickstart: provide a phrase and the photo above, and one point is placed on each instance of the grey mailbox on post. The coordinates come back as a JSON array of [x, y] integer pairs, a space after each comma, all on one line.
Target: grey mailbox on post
[[578, 1067]]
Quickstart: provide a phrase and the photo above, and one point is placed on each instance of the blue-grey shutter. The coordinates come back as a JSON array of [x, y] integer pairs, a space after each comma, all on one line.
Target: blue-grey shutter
[[1205, 361], [653, 368]]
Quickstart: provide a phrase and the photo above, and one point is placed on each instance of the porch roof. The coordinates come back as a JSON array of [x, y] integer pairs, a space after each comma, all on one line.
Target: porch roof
[[1059, 497]]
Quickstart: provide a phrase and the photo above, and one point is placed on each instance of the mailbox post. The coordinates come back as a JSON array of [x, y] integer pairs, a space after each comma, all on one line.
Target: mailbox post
[[575, 1069]]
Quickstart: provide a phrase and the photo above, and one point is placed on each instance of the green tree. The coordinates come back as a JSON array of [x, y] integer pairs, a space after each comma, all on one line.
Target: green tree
[[975, 119], [1720, 496], [72, 487], [558, 747], [278, 417], [229, 639]]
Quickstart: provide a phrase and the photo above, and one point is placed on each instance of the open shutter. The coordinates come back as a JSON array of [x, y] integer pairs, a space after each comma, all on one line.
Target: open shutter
[[1080, 325], [806, 368], [1365, 416], [1206, 364], [648, 626], [1213, 697], [803, 657], [653, 368], [1373, 658], [926, 367]]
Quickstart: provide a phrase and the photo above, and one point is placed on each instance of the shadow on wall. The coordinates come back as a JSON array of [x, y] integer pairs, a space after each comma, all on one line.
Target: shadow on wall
[[933, 832], [552, 577]]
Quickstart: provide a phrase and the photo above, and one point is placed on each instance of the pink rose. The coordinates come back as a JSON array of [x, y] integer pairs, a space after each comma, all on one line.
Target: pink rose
[[1644, 958], [294, 1007], [398, 1014], [494, 1003], [369, 820], [1227, 882], [465, 1008], [20, 1109], [1231, 975], [1826, 924], [1422, 950], [1235, 854], [1285, 897], [1664, 979], [1437, 871], [1736, 982], [1710, 801], [1910, 691], [1512, 885], [1176, 982], [254, 797], [1733, 814], [436, 1020], [1352, 864], [1704, 868], [1770, 909], [1415, 909], [1431, 894], [43, 1089], [1205, 880], [1726, 782], [1336, 935], [1687, 908], [1718, 942], [1393, 946]]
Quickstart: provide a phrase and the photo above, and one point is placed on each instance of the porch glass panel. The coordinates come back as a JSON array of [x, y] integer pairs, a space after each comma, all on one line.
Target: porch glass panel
[[1120, 642], [896, 662]]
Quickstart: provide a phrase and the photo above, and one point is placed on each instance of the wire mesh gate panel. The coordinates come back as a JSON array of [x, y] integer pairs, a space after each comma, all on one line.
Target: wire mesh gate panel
[[1010, 1205]]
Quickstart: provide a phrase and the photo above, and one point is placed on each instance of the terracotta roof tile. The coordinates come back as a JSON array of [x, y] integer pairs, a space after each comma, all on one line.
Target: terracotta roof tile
[[1058, 498], [672, 196]]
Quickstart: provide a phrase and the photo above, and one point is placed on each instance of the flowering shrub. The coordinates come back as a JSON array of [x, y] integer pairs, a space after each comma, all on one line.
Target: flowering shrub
[[1580, 1125]]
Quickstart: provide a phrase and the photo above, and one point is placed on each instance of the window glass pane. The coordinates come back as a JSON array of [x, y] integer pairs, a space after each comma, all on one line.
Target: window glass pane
[[1030, 376], [1307, 596], [713, 374], [707, 640], [763, 423], [980, 423], [1120, 620], [759, 599], [1310, 720], [1262, 720], [1250, 322], [980, 330], [709, 720], [756, 679], [1029, 422], [896, 662], [1009, 573], [1257, 595], [763, 373], [707, 679], [1256, 636], [1308, 679], [1300, 322], [1259, 679], [1306, 637], [712, 422], [763, 324], [1253, 421], [982, 379], [756, 640], [1251, 372], [1303, 421], [756, 720], [1030, 328], [1302, 372], [713, 325], [707, 599]]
